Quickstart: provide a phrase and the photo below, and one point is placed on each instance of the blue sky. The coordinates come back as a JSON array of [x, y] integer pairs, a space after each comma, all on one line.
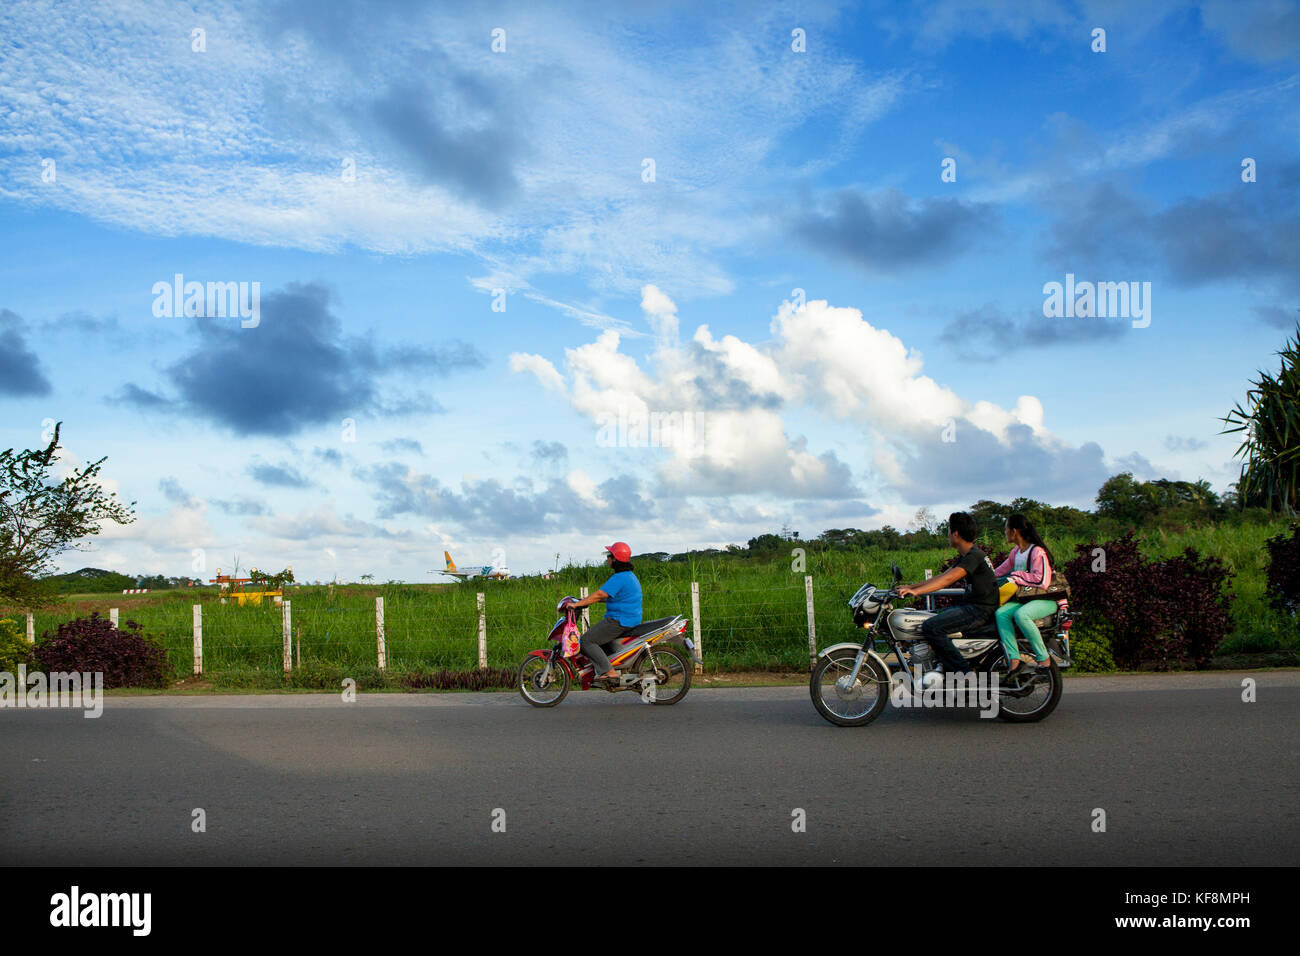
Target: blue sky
[[381, 410]]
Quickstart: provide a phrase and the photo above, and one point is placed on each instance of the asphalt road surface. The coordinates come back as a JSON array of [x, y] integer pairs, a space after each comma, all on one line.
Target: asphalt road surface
[[1186, 772]]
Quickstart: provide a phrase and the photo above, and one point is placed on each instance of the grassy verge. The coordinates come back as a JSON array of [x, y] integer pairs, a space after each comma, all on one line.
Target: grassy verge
[[753, 613]]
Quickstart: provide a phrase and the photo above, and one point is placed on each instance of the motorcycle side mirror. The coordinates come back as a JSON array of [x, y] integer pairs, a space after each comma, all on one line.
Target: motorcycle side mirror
[[897, 572]]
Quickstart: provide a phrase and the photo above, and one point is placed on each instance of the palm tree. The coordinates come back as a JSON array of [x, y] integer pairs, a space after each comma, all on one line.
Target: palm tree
[[1271, 423]]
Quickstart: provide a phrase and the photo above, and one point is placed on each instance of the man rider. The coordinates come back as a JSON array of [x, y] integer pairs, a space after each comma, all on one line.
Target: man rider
[[622, 597], [976, 568]]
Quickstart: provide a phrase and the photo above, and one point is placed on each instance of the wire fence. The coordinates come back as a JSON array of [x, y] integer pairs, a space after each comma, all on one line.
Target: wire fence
[[411, 630]]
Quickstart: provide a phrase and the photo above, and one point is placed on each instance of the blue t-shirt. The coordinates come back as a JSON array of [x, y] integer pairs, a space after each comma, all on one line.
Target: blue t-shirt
[[624, 603]]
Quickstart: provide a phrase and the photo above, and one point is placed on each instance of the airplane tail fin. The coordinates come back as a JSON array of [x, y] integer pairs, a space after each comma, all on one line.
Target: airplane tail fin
[[451, 565]]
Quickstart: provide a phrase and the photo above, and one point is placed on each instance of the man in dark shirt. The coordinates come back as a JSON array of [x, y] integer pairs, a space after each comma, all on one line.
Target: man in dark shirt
[[975, 568]]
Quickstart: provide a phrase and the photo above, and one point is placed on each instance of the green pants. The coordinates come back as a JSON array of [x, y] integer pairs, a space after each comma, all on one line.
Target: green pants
[[1024, 616]]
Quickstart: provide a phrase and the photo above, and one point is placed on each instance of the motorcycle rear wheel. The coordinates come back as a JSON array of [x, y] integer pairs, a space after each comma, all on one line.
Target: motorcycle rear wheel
[[1034, 706], [669, 663], [849, 706], [539, 694]]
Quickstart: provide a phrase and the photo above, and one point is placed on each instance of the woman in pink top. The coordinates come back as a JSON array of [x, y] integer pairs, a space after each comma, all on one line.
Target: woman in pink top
[[1028, 564]]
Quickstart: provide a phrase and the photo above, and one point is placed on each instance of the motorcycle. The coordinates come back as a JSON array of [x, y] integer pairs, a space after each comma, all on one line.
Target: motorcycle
[[656, 657], [851, 682]]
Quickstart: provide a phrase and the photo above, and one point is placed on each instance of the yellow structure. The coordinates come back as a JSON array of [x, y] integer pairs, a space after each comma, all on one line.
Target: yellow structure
[[255, 597]]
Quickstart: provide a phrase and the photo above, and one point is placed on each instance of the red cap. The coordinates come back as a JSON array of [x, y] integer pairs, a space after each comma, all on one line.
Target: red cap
[[620, 551]]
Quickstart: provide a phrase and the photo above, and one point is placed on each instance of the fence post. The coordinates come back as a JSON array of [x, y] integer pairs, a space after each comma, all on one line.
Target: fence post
[[379, 632], [31, 628], [198, 639], [586, 611], [929, 598], [288, 636], [812, 626], [695, 625], [482, 633], [112, 616]]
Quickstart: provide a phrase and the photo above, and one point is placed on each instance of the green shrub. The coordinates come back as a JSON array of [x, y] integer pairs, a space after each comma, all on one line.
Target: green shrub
[[14, 649], [1090, 646], [319, 675]]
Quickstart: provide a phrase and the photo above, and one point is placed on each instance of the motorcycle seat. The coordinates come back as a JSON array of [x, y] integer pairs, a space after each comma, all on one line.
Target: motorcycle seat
[[632, 633], [645, 627]]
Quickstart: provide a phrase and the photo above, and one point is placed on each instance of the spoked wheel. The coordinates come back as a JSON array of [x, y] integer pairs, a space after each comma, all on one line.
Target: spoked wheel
[[1032, 703], [844, 700], [541, 682], [671, 668]]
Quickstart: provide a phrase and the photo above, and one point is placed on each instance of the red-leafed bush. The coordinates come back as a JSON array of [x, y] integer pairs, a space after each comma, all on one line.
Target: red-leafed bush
[[464, 680], [1170, 613], [1283, 586], [125, 656]]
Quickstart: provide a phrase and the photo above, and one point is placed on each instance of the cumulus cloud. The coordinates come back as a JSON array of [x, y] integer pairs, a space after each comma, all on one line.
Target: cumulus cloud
[[923, 440], [549, 452], [1264, 31], [243, 507], [173, 492], [402, 445], [283, 475], [294, 370], [21, 373], [521, 508], [988, 332], [1277, 316], [885, 231], [1184, 443], [1248, 233]]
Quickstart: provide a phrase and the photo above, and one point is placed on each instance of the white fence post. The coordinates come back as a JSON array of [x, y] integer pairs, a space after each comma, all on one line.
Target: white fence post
[[929, 598], [31, 628], [198, 639], [482, 633], [812, 626], [112, 616], [586, 611], [288, 636], [379, 632], [695, 625]]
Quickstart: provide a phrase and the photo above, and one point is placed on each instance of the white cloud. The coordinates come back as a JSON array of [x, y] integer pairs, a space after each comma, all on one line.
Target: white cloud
[[820, 358], [150, 134]]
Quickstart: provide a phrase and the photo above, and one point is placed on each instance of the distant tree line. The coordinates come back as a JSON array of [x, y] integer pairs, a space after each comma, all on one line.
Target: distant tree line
[[1123, 504]]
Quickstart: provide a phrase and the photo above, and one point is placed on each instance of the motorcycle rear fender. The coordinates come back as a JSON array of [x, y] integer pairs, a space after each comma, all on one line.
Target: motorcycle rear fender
[[854, 646]]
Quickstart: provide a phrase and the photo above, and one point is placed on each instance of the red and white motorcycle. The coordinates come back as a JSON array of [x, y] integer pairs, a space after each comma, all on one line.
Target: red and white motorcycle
[[656, 657]]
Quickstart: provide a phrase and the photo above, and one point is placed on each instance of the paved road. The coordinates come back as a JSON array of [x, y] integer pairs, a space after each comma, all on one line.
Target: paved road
[[1186, 772]]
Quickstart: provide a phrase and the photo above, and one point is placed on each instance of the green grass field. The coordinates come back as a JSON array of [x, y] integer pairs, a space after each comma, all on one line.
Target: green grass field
[[754, 614]]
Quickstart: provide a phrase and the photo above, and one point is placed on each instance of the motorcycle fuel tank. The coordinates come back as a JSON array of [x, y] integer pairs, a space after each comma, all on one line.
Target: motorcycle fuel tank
[[906, 622]]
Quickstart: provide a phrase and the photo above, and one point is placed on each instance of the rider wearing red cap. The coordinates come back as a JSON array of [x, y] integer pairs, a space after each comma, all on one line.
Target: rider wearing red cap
[[622, 597]]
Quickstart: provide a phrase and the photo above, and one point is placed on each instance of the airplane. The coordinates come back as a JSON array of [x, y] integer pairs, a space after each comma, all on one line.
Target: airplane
[[486, 571]]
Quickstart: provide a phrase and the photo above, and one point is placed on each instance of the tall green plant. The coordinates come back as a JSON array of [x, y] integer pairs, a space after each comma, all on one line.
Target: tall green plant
[[42, 516], [1270, 422]]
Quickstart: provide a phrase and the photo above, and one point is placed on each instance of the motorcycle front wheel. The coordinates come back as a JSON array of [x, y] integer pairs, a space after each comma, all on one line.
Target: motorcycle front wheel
[[541, 682], [845, 702]]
